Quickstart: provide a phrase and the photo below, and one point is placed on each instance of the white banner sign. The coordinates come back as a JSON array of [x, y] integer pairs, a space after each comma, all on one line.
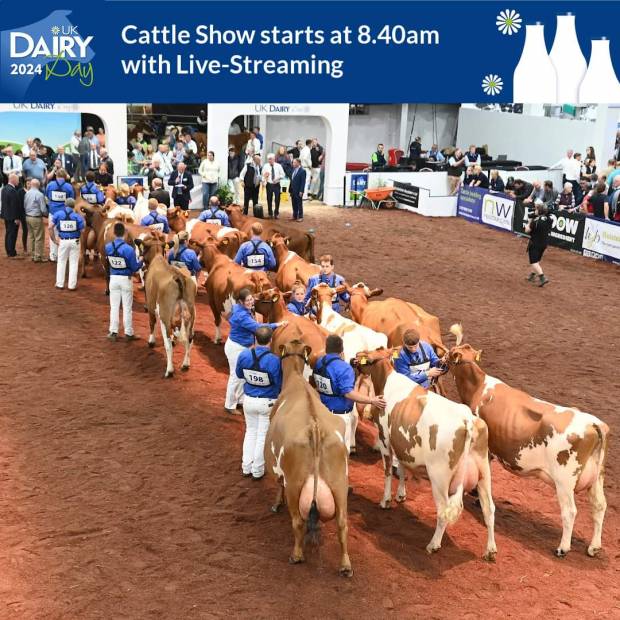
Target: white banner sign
[[601, 238], [497, 211]]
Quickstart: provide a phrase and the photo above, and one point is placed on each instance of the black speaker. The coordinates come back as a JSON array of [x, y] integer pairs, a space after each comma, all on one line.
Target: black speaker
[[257, 211]]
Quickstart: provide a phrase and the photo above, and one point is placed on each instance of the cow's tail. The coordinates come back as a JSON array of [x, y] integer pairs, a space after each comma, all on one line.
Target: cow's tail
[[602, 430], [311, 246], [183, 309], [457, 330], [454, 506], [313, 525]]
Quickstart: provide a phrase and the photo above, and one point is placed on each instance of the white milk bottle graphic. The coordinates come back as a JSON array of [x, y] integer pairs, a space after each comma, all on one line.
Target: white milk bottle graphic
[[570, 64], [534, 79], [600, 84]]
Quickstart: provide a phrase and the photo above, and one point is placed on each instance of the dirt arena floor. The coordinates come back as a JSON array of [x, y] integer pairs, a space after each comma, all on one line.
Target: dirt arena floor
[[121, 494]]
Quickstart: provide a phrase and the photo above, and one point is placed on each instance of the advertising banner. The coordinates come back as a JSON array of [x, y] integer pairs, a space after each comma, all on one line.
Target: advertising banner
[[469, 204], [567, 230], [406, 194], [482, 206], [601, 240]]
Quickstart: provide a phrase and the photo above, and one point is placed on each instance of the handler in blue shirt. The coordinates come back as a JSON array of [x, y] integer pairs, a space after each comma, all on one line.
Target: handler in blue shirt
[[334, 380], [67, 225], [243, 327], [417, 360], [123, 264], [214, 214], [328, 276], [297, 305], [57, 192], [155, 221], [256, 253], [182, 256], [90, 192], [262, 374]]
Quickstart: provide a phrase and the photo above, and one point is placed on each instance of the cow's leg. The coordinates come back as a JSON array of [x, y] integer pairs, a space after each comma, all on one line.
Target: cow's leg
[[189, 339], [166, 335], [565, 489], [355, 418], [401, 494], [440, 486], [340, 497], [299, 525], [279, 499], [598, 504], [487, 504], [387, 472], [152, 326]]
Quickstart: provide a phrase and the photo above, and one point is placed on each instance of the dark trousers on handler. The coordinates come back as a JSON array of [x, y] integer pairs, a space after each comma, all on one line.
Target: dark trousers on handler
[[10, 237], [273, 191], [298, 206], [250, 194]]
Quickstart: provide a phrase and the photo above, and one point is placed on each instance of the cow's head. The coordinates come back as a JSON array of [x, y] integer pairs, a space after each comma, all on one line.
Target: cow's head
[[259, 281], [279, 239], [110, 192], [89, 211], [234, 210], [361, 291], [177, 218], [296, 353], [461, 354], [152, 245], [364, 361], [324, 293], [265, 300], [210, 246]]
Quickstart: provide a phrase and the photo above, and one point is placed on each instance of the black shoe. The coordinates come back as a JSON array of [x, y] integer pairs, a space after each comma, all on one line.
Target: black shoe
[[246, 475], [531, 277], [130, 337], [112, 336], [543, 280]]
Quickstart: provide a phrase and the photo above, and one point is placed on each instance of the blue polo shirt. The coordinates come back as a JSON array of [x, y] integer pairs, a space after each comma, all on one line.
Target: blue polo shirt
[[122, 258], [243, 326], [155, 221], [214, 216], [262, 372], [186, 257], [68, 223], [333, 378], [414, 365], [92, 194], [333, 280], [256, 254], [56, 194], [298, 307]]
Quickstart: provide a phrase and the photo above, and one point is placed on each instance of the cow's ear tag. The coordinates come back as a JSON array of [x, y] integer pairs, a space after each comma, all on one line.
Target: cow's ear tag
[[275, 298], [478, 356], [395, 354], [364, 361]]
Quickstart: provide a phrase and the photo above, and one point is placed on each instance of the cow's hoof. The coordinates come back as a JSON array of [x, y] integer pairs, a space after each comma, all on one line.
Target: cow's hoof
[[293, 560], [217, 342], [430, 549], [353, 451], [107, 293], [346, 571], [560, 553], [184, 368], [489, 556], [151, 344], [275, 508], [168, 375], [145, 309], [385, 505], [401, 498], [593, 551]]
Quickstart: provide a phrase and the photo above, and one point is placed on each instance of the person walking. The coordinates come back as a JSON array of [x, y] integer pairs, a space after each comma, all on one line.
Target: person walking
[[273, 173], [243, 328], [123, 264], [35, 209], [66, 227], [261, 373], [538, 227], [256, 254], [11, 214], [296, 190]]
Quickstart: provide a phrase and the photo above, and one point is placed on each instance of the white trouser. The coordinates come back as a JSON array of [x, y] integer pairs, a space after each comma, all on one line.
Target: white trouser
[[348, 423], [53, 250], [308, 178], [256, 411], [234, 389], [68, 250], [315, 181], [234, 185], [121, 292]]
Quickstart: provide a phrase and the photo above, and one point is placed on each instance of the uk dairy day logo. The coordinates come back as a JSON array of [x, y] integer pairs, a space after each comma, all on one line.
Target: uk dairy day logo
[[52, 48]]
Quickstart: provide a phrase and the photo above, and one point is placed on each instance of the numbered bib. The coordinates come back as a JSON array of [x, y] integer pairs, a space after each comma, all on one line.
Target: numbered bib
[[67, 225], [214, 221], [179, 264], [255, 260], [256, 377], [117, 262], [323, 385], [419, 367], [159, 226], [58, 196], [90, 198]]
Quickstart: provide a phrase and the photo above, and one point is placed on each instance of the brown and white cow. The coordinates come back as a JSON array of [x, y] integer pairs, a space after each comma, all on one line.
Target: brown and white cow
[[271, 305], [393, 317], [177, 219], [201, 231], [562, 446], [306, 454], [299, 241], [170, 299], [225, 279], [423, 429], [291, 267]]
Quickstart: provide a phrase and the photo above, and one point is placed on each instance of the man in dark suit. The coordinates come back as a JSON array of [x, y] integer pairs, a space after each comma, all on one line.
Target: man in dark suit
[[10, 214], [159, 193], [182, 184], [66, 162], [104, 158], [296, 190]]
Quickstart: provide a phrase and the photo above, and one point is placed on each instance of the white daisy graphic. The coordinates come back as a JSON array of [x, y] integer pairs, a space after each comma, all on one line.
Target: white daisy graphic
[[508, 22], [492, 84], [55, 29]]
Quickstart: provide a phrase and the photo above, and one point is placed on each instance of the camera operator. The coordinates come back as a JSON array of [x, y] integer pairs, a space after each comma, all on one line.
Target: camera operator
[[538, 227]]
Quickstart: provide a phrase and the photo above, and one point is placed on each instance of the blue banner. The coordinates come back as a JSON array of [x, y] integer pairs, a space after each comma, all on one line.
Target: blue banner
[[335, 51], [490, 208]]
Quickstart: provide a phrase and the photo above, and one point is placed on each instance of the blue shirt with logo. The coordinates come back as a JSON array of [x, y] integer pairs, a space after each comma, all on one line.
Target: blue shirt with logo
[[57, 194], [156, 221], [333, 280], [186, 257], [243, 326], [262, 372], [333, 378], [122, 258], [424, 356], [215, 214], [68, 223], [92, 194], [256, 254], [298, 307]]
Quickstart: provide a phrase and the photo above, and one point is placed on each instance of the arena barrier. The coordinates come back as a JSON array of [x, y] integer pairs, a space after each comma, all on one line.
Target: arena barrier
[[576, 232]]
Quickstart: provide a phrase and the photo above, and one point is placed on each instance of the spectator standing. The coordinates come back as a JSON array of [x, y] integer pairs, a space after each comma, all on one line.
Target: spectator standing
[[104, 158], [21, 194], [35, 210], [613, 196], [296, 190], [456, 166], [34, 168], [415, 149], [65, 228], [234, 173], [164, 158], [254, 144], [83, 150], [599, 204], [571, 168], [250, 176], [154, 172], [260, 138], [295, 152], [273, 175], [159, 193], [101, 138], [284, 160], [12, 163], [316, 156], [67, 162], [28, 147], [202, 121], [182, 184], [306, 163], [209, 172], [11, 214], [93, 158]]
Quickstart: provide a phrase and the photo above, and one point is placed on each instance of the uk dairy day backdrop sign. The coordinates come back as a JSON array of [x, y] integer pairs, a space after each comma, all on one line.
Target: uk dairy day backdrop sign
[[333, 51]]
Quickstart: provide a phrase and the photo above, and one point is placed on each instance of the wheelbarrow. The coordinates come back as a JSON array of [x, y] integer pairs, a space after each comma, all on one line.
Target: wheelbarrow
[[377, 197]]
